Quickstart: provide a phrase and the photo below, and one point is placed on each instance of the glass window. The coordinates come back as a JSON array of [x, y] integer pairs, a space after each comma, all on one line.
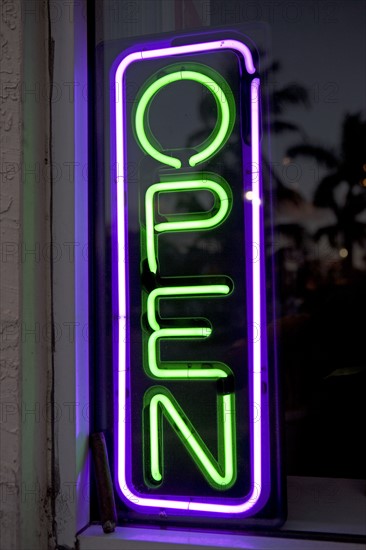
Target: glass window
[[312, 57]]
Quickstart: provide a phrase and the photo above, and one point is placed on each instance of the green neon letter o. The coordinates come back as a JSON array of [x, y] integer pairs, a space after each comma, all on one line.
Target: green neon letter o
[[221, 131]]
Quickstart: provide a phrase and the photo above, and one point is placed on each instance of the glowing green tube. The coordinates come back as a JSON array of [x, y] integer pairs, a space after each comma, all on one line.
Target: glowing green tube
[[206, 222], [220, 474], [182, 370], [171, 292], [226, 113]]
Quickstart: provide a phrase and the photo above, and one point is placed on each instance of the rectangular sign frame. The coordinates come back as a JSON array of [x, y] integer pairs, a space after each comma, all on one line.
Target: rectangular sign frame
[[260, 438]]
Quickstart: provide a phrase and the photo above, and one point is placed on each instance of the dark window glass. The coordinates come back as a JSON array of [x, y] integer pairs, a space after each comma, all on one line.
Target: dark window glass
[[313, 62]]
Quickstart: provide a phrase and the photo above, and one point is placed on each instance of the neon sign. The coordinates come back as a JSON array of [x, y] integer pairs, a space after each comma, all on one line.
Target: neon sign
[[226, 453]]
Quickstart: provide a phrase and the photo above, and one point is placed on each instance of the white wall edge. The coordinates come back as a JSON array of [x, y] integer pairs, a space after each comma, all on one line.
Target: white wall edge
[[35, 329], [70, 273]]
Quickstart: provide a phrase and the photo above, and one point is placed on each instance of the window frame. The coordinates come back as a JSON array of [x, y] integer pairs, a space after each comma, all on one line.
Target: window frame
[[70, 300], [70, 295]]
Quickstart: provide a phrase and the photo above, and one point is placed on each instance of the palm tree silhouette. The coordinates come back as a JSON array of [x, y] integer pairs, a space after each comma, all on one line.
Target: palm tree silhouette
[[274, 123], [347, 166]]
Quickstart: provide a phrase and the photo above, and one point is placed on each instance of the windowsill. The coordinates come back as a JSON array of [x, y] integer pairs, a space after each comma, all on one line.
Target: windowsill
[[335, 507], [326, 505]]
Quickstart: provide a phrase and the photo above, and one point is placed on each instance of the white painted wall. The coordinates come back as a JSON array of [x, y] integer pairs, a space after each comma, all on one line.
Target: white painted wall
[[25, 282], [10, 237]]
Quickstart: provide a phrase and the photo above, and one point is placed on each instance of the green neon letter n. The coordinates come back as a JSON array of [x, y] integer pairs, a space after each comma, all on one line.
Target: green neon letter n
[[221, 473]]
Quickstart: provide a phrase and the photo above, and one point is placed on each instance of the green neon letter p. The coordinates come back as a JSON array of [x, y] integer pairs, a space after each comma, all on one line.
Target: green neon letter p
[[207, 220]]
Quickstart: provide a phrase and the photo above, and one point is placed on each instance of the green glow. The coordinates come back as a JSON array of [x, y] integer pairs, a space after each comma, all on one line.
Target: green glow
[[225, 109], [180, 370], [207, 221], [221, 474], [171, 292], [159, 403]]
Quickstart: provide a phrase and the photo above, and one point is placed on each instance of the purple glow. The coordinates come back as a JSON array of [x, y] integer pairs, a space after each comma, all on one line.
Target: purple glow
[[191, 506], [256, 279]]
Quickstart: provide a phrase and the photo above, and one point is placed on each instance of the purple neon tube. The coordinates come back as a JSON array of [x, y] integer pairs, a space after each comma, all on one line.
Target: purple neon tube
[[256, 291]]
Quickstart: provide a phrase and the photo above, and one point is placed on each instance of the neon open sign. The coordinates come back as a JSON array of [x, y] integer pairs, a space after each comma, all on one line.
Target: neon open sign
[[192, 431]]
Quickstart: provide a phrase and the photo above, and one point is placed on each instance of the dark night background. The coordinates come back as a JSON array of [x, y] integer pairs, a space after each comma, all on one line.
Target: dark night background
[[313, 60]]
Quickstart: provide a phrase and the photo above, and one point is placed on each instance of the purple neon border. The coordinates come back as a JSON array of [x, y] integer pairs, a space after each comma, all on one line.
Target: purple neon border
[[257, 353]]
